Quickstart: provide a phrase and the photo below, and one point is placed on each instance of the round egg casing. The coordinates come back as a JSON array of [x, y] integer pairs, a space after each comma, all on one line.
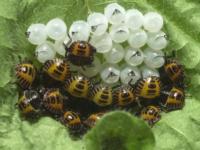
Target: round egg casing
[[29, 103], [58, 69], [151, 114], [174, 100], [26, 74], [53, 101], [92, 119], [101, 95], [78, 86], [148, 88], [80, 53], [124, 95]]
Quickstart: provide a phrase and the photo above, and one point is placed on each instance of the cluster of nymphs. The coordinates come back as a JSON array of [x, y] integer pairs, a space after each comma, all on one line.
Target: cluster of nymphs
[[93, 74]]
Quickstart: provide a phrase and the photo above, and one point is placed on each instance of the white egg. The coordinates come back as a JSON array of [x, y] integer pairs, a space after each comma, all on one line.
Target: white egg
[[93, 69], [98, 23], [56, 29], [134, 57], [134, 19], [59, 45], [137, 38], [102, 43], [119, 33], [115, 55], [157, 41], [115, 13], [45, 51], [130, 75], [36, 34], [153, 21], [79, 31], [148, 72], [153, 58], [110, 74]]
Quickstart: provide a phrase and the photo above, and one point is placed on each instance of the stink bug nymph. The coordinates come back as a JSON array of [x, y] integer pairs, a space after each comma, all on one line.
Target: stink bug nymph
[[78, 86], [124, 95], [26, 74], [92, 119], [148, 88], [53, 101], [72, 121], [175, 99], [101, 95], [80, 53], [174, 71], [151, 114], [57, 68], [29, 103]]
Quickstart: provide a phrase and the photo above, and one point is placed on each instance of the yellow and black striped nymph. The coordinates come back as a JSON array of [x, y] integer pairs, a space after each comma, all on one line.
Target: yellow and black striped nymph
[[78, 86], [58, 69], [175, 99], [101, 95], [148, 88], [26, 74], [151, 114], [53, 101], [72, 120], [80, 53], [174, 70], [29, 103], [124, 95]]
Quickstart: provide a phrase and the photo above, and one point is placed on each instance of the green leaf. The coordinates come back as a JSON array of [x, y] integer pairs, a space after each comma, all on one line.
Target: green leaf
[[180, 129], [45, 134], [9, 9], [120, 130]]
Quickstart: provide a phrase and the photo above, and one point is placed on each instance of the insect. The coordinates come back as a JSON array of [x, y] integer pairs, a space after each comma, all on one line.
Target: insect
[[124, 95], [92, 119], [58, 69], [53, 101], [29, 103], [101, 95], [80, 53], [174, 71], [26, 74], [151, 114], [175, 99], [148, 88], [72, 121], [78, 86]]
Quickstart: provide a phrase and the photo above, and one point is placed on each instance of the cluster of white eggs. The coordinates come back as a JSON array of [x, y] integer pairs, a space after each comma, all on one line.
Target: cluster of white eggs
[[108, 33]]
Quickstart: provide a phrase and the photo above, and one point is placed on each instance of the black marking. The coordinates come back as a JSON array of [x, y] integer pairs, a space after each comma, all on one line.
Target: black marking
[[137, 53], [74, 32], [102, 101], [152, 86], [78, 91], [105, 92], [81, 53], [30, 71], [80, 86], [131, 73], [116, 11], [111, 74], [104, 96], [56, 72], [151, 92], [52, 99], [60, 68]]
